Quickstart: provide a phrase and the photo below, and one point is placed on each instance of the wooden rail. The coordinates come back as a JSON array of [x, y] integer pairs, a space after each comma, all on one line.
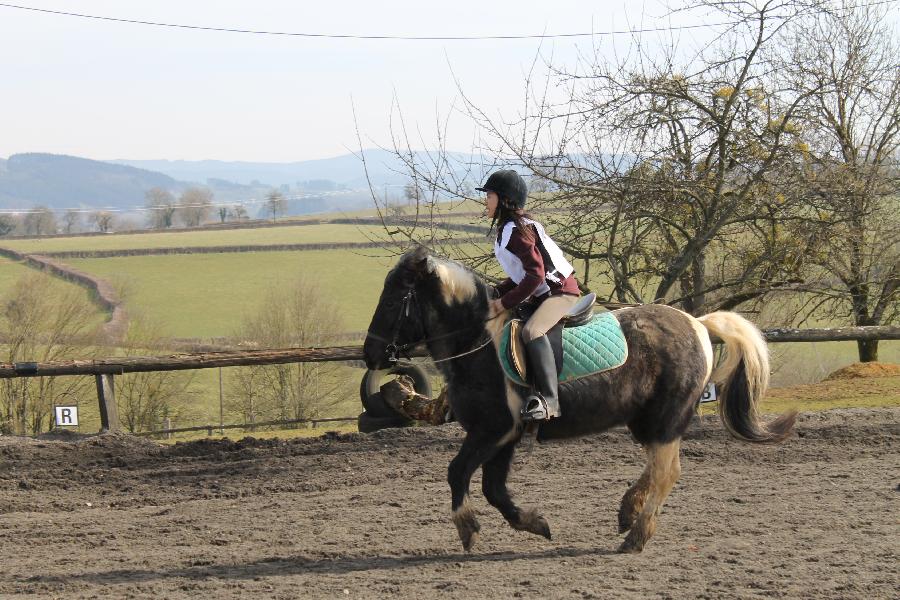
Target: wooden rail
[[209, 360], [104, 369], [180, 362]]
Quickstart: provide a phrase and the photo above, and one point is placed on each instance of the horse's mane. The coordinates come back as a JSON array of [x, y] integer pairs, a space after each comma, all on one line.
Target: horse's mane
[[458, 284]]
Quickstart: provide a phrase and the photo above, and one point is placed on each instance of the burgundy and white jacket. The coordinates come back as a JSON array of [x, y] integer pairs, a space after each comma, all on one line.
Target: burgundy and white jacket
[[534, 267]]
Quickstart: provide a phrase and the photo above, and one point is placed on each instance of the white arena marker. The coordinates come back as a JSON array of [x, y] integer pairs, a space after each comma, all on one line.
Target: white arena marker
[[709, 394], [66, 416]]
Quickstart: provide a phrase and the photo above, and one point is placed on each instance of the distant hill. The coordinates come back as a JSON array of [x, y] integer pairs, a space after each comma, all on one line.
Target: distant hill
[[346, 171], [340, 183], [60, 181]]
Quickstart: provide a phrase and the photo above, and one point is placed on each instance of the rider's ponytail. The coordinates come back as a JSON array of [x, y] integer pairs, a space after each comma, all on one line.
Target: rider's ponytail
[[504, 215]]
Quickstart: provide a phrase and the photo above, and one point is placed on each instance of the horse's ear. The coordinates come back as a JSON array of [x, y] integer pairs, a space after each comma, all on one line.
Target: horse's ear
[[418, 259]]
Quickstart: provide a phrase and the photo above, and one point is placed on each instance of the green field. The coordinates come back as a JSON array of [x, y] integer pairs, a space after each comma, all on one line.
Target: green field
[[207, 295], [301, 234], [11, 271]]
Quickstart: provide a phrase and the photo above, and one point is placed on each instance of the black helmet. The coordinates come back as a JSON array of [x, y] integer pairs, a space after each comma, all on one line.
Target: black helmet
[[509, 186]]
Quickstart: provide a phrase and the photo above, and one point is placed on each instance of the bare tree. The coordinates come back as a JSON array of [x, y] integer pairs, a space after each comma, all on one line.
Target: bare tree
[[39, 221], [224, 212], [41, 321], [160, 205], [276, 204], [294, 315], [144, 400], [194, 205], [71, 221], [239, 213], [846, 64], [667, 169], [103, 220], [8, 224], [244, 396]]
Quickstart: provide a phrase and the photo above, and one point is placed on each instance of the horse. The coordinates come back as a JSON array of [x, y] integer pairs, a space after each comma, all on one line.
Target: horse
[[654, 393]]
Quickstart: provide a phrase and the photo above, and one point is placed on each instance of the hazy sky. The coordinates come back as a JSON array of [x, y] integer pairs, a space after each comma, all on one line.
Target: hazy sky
[[108, 90]]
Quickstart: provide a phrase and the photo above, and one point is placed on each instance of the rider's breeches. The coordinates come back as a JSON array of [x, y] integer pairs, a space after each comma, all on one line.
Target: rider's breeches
[[547, 315]]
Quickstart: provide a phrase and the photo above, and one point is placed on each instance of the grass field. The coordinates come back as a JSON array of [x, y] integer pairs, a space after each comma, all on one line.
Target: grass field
[[207, 295], [301, 234], [11, 271]]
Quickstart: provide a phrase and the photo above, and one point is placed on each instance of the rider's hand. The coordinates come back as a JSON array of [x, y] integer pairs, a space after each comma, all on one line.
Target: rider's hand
[[495, 307]]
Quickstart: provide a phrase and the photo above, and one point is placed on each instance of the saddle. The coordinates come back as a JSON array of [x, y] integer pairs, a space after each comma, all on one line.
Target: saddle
[[583, 344]]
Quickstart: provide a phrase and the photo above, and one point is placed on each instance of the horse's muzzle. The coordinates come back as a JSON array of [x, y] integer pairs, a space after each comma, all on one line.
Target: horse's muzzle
[[374, 354]]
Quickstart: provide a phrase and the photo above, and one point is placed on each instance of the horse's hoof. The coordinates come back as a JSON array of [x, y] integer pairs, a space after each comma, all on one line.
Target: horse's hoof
[[631, 545], [533, 522], [629, 549], [467, 528], [468, 541], [543, 528]]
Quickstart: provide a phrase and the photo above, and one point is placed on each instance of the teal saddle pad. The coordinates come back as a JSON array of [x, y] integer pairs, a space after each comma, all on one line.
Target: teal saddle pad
[[597, 346]]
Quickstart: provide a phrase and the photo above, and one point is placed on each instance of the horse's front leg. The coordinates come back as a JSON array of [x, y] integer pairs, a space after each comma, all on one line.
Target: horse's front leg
[[493, 484], [473, 453]]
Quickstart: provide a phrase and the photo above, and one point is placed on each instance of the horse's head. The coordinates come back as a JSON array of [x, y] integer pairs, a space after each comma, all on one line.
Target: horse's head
[[424, 299]]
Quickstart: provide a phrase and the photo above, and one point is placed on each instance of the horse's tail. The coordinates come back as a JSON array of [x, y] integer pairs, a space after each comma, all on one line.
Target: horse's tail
[[744, 378]]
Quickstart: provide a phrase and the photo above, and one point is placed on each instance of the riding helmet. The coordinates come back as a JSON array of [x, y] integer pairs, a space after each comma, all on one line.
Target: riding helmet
[[509, 185]]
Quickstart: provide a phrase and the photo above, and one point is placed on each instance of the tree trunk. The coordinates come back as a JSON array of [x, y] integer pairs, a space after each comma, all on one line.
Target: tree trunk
[[868, 350]]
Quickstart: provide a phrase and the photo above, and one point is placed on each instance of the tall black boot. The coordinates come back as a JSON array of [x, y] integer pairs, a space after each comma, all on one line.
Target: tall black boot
[[543, 402]]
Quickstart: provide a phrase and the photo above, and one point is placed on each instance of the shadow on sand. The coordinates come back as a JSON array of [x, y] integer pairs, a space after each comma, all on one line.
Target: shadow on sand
[[281, 566]]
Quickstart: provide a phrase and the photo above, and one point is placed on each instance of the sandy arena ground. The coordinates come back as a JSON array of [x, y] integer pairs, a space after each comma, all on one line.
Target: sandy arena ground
[[367, 516]]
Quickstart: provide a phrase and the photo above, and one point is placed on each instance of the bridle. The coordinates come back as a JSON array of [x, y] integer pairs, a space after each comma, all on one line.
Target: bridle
[[394, 348]]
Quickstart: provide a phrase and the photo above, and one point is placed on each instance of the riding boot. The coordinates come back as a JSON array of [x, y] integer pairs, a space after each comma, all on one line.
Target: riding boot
[[543, 402]]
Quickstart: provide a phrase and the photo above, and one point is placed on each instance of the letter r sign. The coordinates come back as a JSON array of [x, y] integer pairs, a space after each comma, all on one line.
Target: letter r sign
[[66, 416]]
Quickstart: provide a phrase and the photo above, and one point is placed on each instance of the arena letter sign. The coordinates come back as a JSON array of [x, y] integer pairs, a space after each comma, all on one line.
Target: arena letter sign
[[66, 416], [709, 393]]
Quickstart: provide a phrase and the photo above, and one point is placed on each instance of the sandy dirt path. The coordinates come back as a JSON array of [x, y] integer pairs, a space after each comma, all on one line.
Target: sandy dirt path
[[366, 516]]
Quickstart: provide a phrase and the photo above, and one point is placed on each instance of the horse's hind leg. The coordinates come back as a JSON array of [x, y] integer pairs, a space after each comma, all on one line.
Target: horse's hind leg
[[633, 501], [663, 468], [493, 484], [472, 454]]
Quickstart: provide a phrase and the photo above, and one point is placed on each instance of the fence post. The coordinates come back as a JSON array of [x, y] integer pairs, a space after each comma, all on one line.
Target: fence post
[[106, 395], [167, 424]]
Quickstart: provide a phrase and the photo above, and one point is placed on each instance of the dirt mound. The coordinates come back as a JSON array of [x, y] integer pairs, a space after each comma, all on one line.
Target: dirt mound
[[862, 370]]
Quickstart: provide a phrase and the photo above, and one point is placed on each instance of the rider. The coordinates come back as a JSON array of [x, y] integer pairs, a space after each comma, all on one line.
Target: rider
[[537, 269]]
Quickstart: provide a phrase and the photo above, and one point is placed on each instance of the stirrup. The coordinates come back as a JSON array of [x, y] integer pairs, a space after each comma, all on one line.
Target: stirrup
[[535, 409]]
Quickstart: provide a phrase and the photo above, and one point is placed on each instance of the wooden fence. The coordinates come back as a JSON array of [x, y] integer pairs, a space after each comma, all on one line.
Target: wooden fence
[[105, 369]]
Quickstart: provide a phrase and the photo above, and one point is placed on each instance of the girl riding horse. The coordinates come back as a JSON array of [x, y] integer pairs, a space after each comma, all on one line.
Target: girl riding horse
[[537, 270], [654, 393]]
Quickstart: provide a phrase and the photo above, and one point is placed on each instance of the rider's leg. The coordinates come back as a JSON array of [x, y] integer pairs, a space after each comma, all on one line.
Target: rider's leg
[[543, 402]]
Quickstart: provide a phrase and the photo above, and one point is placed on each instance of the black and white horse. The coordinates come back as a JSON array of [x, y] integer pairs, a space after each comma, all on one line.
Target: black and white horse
[[670, 360]]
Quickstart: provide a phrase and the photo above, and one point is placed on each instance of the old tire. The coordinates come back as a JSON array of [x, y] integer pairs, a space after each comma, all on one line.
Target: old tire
[[368, 423], [377, 407], [370, 387]]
